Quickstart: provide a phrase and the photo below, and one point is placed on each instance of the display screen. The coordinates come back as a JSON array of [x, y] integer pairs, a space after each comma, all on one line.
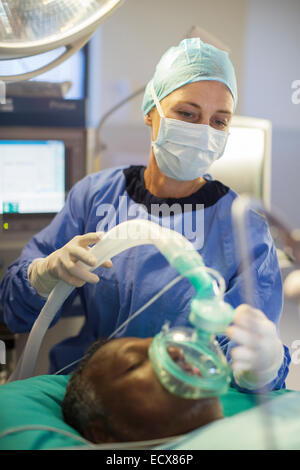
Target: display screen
[[32, 176]]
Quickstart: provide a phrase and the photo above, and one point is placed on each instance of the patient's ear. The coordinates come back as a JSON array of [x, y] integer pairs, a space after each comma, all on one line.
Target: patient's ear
[[97, 432]]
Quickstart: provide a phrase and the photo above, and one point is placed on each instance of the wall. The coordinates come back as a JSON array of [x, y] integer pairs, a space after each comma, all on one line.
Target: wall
[[272, 51]]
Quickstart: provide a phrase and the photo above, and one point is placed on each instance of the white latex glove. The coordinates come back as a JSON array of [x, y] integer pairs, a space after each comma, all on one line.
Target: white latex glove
[[45, 273], [292, 285], [259, 354]]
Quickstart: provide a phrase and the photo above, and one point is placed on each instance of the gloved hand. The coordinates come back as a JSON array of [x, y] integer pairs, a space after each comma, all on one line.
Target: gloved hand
[[45, 273], [259, 354], [292, 285]]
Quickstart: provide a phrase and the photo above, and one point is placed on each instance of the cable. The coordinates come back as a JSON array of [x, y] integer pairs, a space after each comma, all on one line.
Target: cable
[[138, 312], [90, 445], [45, 428], [136, 445], [153, 299], [147, 304]]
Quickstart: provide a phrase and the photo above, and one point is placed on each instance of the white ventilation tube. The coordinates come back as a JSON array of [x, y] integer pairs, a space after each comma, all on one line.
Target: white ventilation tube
[[176, 248]]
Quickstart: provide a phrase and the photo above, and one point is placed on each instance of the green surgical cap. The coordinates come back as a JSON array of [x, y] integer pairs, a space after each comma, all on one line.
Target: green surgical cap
[[191, 61]]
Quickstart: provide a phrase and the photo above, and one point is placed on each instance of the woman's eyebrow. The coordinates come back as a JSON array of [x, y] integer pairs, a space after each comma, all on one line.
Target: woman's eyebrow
[[191, 103], [223, 111]]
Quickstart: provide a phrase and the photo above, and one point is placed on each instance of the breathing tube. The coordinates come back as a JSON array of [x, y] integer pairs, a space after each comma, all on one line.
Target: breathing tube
[[187, 360]]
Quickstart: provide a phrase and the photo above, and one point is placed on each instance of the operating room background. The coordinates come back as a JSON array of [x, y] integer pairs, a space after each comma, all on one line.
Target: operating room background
[[264, 38]]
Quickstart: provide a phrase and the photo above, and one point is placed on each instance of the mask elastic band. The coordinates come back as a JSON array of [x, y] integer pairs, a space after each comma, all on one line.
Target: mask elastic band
[[156, 101]]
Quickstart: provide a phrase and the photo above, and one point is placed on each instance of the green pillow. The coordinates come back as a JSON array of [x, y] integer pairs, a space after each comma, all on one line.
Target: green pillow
[[37, 402]]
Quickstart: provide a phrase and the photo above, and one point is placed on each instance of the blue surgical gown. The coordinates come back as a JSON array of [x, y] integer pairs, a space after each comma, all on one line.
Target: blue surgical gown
[[102, 200]]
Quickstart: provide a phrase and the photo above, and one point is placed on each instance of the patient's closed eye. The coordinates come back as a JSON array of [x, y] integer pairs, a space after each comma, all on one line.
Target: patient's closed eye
[[134, 362], [133, 367]]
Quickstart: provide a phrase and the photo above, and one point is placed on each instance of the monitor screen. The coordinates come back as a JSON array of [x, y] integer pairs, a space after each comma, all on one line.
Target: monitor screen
[[246, 164], [32, 176]]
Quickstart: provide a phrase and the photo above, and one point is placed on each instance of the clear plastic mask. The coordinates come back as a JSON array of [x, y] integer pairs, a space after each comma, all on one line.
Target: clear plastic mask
[[188, 360]]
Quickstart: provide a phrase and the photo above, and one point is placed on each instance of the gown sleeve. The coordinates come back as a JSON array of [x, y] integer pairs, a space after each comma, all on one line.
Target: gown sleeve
[[21, 303]]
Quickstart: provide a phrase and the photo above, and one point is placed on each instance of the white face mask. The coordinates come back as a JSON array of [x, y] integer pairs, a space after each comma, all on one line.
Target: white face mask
[[185, 151]]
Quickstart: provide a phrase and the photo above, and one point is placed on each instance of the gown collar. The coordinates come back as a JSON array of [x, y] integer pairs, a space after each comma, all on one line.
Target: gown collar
[[208, 195]]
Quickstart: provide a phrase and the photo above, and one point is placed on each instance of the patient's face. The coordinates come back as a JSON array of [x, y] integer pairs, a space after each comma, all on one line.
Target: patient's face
[[137, 404]]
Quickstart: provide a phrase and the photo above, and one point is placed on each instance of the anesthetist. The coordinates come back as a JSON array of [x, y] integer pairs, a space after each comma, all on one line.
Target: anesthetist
[[188, 106]]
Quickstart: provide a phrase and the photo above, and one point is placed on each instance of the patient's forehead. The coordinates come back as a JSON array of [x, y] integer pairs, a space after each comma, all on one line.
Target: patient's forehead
[[103, 345], [107, 349], [96, 346], [115, 343]]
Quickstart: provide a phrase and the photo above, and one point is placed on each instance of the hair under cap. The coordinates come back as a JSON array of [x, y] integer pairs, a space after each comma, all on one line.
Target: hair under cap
[[191, 61]]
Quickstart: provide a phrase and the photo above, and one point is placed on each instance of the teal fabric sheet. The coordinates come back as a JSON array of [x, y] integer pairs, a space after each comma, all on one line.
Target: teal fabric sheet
[[37, 402], [271, 426]]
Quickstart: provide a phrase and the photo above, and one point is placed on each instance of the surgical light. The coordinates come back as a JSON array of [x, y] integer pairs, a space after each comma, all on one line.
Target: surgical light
[[33, 27]]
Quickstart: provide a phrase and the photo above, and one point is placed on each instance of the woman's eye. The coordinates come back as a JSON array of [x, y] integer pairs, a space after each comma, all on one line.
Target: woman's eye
[[221, 123], [186, 114]]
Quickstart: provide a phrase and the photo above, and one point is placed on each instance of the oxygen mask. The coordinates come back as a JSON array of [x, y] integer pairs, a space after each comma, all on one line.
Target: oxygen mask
[[188, 360]]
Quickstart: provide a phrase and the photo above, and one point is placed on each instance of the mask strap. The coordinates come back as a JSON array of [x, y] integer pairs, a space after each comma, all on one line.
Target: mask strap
[[157, 103]]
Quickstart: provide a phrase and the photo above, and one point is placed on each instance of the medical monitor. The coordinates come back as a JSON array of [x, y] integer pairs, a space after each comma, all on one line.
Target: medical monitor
[[38, 167], [32, 176], [246, 163]]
